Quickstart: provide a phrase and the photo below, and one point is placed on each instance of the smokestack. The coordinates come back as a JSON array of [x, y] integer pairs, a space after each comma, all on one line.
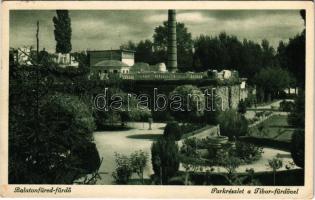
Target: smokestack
[[172, 44]]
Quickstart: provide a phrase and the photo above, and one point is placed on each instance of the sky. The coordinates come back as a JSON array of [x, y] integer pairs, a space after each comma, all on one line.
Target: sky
[[99, 29]]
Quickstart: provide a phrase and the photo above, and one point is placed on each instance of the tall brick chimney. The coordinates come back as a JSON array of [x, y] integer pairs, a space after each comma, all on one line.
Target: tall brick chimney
[[172, 44]]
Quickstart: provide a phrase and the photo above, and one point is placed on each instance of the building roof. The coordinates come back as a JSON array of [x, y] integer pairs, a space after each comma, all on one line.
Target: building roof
[[111, 63], [107, 50]]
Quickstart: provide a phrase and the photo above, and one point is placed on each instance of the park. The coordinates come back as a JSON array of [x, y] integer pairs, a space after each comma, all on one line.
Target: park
[[143, 114]]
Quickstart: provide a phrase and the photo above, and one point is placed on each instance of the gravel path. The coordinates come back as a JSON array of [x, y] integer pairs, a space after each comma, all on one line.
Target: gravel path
[[140, 138], [109, 142]]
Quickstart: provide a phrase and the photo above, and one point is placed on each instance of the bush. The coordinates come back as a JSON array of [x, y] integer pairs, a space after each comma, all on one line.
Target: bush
[[162, 116], [232, 124], [250, 100], [211, 116], [61, 151], [241, 107], [138, 161], [286, 106], [165, 159], [123, 169], [192, 106], [298, 147], [247, 152], [172, 131], [297, 116], [188, 127]]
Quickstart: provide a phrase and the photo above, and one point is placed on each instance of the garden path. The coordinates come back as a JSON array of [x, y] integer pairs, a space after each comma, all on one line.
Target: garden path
[[125, 142]]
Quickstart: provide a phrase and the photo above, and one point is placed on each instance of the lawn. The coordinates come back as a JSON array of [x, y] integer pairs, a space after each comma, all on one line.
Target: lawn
[[276, 128]]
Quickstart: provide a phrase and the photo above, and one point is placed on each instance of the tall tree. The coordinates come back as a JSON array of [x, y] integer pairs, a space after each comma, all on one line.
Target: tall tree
[[227, 52], [270, 81], [144, 52], [292, 55], [130, 45], [184, 45], [268, 54], [62, 23]]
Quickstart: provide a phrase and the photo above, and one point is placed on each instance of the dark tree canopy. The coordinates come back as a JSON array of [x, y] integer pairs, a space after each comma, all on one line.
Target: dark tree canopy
[[270, 81], [228, 52], [62, 151], [232, 124], [144, 52], [184, 45], [62, 23], [297, 116], [192, 107], [298, 147], [165, 158], [292, 55]]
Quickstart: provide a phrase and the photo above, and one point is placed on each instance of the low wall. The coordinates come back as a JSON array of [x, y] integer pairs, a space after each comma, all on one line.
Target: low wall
[[163, 76]]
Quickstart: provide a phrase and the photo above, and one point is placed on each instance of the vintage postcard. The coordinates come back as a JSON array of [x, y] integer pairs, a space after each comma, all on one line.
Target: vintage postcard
[[156, 99]]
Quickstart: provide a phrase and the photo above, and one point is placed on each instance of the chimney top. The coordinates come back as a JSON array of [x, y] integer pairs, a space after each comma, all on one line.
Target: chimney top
[[172, 43]]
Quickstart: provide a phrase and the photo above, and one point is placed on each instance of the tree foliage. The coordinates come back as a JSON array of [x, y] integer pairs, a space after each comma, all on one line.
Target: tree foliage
[[165, 159], [184, 45], [138, 161], [232, 124], [228, 52], [270, 81], [118, 107], [61, 151], [144, 52], [241, 107], [297, 116], [123, 170], [291, 55], [172, 131], [62, 23], [298, 147], [192, 106]]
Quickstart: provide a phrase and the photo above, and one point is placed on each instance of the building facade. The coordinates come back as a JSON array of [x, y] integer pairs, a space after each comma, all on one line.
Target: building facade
[[125, 56]]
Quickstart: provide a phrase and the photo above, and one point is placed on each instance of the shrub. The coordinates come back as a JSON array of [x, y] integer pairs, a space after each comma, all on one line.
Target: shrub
[[298, 147], [192, 106], [250, 100], [123, 169], [162, 116], [177, 180], [297, 116], [211, 116], [172, 131], [61, 151], [232, 124], [241, 107], [247, 152], [230, 163], [165, 159], [138, 161], [286, 106]]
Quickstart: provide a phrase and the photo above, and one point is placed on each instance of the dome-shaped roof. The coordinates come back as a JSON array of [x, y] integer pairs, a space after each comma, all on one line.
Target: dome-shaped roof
[[111, 63]]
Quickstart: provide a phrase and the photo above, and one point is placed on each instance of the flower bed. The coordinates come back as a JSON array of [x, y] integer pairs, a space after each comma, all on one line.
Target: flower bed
[[193, 150]]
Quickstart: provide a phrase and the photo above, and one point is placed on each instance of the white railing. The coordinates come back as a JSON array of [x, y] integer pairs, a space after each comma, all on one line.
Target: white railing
[[163, 76]]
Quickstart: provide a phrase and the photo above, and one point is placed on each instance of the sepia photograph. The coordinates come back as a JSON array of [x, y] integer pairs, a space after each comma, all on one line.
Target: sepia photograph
[[159, 97]]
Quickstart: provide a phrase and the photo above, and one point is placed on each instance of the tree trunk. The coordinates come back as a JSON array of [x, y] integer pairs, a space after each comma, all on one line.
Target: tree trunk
[[161, 181], [186, 177], [274, 178]]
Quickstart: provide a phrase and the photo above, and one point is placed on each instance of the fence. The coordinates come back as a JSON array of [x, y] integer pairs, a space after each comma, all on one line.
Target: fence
[[163, 76]]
